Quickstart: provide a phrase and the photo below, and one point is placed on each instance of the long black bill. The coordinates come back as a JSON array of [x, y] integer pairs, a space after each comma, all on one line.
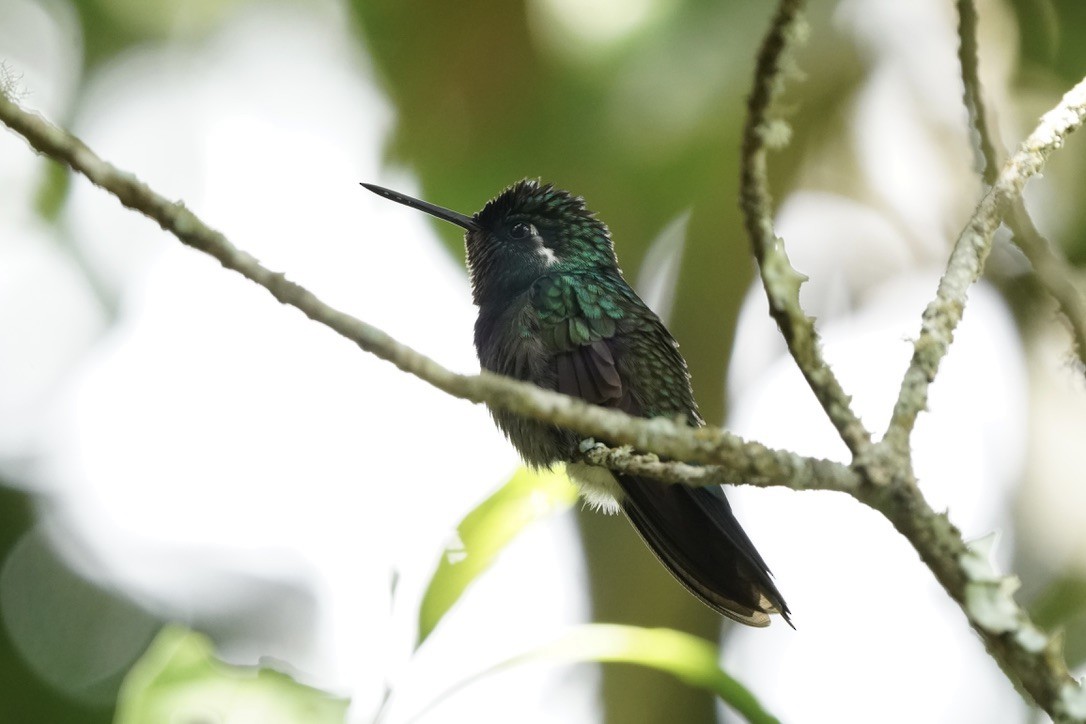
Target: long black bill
[[432, 209]]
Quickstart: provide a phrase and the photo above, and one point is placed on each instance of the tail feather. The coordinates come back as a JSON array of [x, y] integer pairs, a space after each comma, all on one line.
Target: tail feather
[[695, 535]]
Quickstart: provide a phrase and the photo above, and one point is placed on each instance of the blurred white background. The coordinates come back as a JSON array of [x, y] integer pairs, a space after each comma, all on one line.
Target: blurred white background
[[224, 462]]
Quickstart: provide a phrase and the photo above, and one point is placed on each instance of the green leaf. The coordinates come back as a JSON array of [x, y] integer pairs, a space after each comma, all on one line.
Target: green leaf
[[485, 531], [688, 658], [1062, 605], [178, 679], [53, 190]]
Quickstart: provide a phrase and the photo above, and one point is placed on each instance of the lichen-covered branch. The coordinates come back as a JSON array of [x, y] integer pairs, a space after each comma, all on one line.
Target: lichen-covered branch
[[973, 96], [752, 464], [967, 259], [1049, 265], [1054, 273], [779, 277], [666, 437], [1030, 658]]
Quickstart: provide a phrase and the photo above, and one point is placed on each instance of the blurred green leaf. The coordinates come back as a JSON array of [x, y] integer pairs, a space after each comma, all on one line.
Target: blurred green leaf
[[688, 658], [26, 695], [1049, 32], [112, 27], [53, 190], [1062, 605], [179, 679], [1065, 598], [485, 531], [74, 634]]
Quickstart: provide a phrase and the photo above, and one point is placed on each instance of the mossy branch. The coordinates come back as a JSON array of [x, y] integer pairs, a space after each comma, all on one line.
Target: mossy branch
[[779, 277], [1030, 658], [666, 437], [1049, 265], [967, 259]]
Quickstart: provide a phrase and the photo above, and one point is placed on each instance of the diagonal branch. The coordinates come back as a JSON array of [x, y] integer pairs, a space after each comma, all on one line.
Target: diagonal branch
[[779, 277], [1049, 265], [664, 436], [967, 259], [973, 97], [1054, 272]]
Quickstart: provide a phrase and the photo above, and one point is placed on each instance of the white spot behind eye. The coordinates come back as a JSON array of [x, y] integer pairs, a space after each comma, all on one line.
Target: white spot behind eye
[[548, 254]]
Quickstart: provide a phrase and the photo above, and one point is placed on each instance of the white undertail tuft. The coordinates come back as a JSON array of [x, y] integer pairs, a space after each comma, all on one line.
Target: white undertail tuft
[[598, 487]]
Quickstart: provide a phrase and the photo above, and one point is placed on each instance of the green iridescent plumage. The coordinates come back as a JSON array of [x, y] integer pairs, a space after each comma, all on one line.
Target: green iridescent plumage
[[578, 309], [555, 310]]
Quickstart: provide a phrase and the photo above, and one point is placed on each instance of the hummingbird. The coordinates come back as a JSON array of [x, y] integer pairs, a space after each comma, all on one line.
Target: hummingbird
[[555, 310]]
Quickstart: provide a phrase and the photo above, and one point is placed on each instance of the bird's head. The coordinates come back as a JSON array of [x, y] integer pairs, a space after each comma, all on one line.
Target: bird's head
[[527, 230]]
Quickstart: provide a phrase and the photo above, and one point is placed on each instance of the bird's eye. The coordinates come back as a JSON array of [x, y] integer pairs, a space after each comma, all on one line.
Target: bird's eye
[[520, 231]]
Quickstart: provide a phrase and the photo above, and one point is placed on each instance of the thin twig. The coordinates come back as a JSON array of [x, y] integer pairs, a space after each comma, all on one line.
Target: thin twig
[[779, 277], [967, 260], [1054, 272], [973, 97], [1049, 265]]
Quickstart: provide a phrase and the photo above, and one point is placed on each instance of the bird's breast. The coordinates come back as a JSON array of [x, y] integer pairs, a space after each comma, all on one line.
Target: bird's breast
[[508, 343]]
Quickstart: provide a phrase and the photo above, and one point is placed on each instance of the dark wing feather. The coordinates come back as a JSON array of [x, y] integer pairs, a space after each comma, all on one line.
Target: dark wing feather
[[588, 371], [691, 530], [695, 535]]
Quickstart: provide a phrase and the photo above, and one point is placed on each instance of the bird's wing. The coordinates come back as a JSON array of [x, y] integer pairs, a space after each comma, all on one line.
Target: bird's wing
[[578, 321], [603, 340]]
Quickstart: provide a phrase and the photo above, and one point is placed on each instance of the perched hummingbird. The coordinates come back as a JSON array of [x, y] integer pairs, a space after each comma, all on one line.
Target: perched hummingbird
[[555, 310]]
